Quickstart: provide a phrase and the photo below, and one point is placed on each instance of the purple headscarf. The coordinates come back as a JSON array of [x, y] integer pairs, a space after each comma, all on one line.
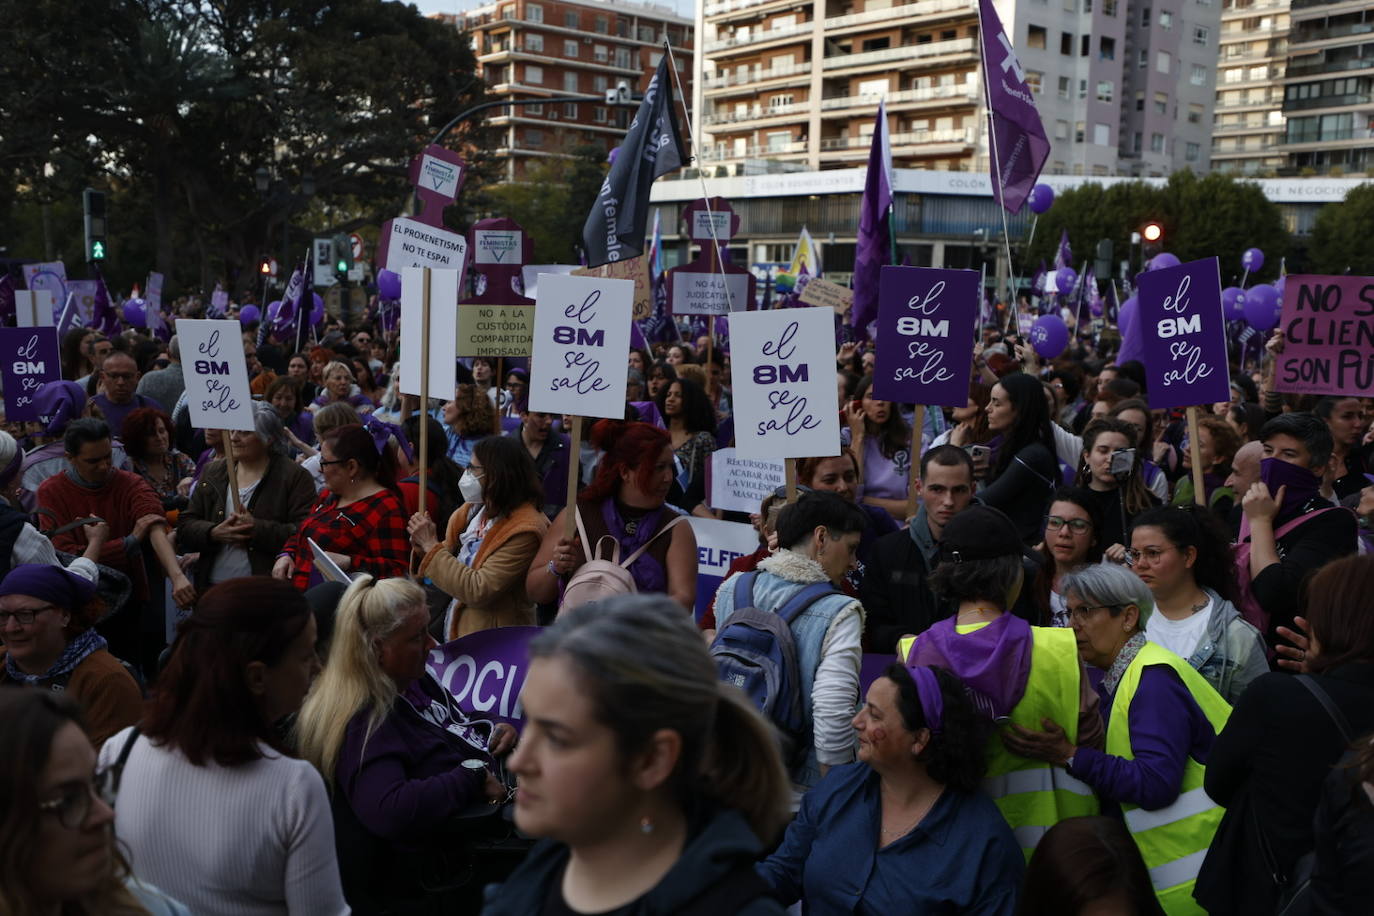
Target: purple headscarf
[[52, 584], [928, 691]]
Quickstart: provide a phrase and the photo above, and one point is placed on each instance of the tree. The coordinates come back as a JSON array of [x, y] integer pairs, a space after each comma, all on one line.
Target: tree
[[1340, 236], [552, 202]]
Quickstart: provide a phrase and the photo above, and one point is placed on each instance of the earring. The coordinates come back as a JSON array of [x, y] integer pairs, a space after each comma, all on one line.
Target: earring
[[646, 825]]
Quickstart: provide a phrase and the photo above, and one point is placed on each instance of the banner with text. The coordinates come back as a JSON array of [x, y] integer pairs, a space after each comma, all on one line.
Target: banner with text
[[410, 243], [1328, 327], [495, 330], [718, 545], [216, 374], [29, 357], [926, 320], [581, 338], [1184, 332], [783, 373], [741, 484], [485, 671], [695, 293], [441, 337]]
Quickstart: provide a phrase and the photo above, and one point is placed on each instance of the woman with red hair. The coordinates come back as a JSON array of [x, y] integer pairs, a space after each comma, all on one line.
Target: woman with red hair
[[627, 501], [148, 435]]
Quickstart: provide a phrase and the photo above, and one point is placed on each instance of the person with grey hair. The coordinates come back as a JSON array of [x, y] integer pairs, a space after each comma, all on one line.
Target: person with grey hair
[[275, 494], [1163, 720], [165, 385], [652, 785]]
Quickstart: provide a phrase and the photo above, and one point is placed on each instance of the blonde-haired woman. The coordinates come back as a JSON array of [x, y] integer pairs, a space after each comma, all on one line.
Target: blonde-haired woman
[[390, 742], [341, 387], [654, 786]]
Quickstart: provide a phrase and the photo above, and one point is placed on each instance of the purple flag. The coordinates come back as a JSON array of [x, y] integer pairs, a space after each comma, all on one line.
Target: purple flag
[[1019, 144], [103, 316], [874, 248], [1038, 280], [1064, 257]]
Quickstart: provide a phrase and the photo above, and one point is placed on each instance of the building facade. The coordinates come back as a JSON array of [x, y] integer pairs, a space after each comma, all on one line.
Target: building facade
[[1328, 87], [1249, 125], [547, 48]]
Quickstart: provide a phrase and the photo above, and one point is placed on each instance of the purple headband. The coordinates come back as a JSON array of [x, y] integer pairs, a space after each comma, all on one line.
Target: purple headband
[[928, 692], [382, 432]]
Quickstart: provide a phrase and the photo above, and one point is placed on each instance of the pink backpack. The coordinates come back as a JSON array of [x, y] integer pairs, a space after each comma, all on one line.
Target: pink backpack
[[1247, 604], [600, 577]]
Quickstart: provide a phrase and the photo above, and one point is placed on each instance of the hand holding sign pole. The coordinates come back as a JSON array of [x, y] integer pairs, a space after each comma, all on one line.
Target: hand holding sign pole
[[217, 391], [429, 339]]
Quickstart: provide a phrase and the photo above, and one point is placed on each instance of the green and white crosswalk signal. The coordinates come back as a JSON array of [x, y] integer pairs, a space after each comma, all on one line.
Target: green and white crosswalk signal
[[343, 254], [93, 207], [97, 250]]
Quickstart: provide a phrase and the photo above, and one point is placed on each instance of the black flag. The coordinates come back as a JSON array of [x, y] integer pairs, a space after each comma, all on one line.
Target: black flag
[[615, 227]]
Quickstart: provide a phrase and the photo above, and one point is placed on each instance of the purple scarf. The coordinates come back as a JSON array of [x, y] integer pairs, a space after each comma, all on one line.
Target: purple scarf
[[648, 573], [992, 661]]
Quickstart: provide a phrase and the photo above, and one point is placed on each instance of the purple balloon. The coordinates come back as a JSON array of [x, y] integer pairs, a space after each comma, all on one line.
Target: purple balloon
[[1049, 335], [611, 156], [273, 311], [1095, 307], [1041, 198], [249, 314], [389, 285], [317, 308], [1164, 259], [1279, 284], [1262, 307], [1252, 260], [1233, 303], [1064, 279], [136, 313]]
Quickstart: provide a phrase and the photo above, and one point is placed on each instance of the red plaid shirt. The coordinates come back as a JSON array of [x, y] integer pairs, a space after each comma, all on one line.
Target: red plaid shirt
[[372, 531]]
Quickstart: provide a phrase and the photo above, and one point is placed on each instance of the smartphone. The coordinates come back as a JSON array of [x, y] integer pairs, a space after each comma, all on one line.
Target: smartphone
[[978, 452], [1123, 460]]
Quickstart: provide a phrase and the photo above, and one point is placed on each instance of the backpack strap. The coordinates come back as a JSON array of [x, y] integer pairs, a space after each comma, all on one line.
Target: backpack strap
[[744, 589], [804, 599], [1324, 698], [629, 561]]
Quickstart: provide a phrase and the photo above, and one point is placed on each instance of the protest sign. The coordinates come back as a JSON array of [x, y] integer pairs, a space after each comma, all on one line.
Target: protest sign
[[29, 357], [636, 269], [928, 316], [718, 545], [740, 484], [530, 274], [699, 293], [783, 375], [34, 308], [1328, 326], [217, 390], [1184, 334], [325, 567], [819, 291], [581, 337], [485, 671], [497, 246], [219, 301], [47, 275], [411, 243], [440, 336], [84, 291], [153, 295], [495, 330]]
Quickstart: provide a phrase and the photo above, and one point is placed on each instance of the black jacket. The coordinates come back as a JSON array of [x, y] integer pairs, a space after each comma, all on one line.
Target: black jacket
[[723, 846], [1302, 551], [1267, 768], [1343, 878]]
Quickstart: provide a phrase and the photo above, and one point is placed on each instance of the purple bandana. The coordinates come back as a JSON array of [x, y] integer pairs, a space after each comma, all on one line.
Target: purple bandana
[[992, 661], [932, 703], [648, 573]]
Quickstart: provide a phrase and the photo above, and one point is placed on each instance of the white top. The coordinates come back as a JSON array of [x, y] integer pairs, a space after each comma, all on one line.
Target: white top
[[312, 465], [252, 840], [231, 562], [1179, 636]]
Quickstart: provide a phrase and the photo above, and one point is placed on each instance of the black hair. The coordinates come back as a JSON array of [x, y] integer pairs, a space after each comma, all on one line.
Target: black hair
[[1032, 422], [1327, 406], [946, 456], [1250, 415], [1043, 584], [894, 435], [1308, 429], [697, 412], [443, 470], [1134, 370], [509, 479], [851, 383], [83, 432], [1073, 383], [816, 509], [1085, 860], [957, 755], [1197, 527], [978, 580]]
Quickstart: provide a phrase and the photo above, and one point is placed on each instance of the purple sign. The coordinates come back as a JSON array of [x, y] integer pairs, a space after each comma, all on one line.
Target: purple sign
[[1330, 336], [29, 357], [1183, 330], [485, 671], [926, 319]]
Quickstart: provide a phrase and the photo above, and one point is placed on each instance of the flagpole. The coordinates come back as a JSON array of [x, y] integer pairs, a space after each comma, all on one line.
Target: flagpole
[[1012, 313]]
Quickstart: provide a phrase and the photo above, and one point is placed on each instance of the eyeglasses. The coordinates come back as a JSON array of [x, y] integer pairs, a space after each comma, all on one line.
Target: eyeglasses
[[24, 616], [73, 806], [120, 376], [1084, 611], [327, 462], [1150, 554], [1076, 525]]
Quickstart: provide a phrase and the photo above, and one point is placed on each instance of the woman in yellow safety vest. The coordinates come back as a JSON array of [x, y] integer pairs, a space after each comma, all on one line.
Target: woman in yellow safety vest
[[1014, 672], [1162, 718]]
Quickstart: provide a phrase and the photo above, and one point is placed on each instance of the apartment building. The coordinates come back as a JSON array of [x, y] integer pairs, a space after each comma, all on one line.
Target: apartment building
[[794, 85], [1328, 87], [527, 49], [1249, 124]]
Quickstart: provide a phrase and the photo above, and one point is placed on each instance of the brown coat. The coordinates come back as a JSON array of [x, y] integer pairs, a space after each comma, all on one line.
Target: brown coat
[[491, 592], [109, 695]]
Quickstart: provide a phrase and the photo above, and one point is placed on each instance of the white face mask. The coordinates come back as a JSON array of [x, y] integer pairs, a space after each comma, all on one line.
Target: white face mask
[[470, 485]]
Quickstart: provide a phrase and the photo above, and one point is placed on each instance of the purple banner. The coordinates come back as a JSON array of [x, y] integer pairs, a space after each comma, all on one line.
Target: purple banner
[[926, 319], [485, 671], [1183, 329], [1328, 323], [29, 357]]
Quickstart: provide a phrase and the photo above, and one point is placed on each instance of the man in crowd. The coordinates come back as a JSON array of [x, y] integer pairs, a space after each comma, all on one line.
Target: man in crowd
[[119, 374], [1245, 471], [58, 403], [165, 385], [550, 453]]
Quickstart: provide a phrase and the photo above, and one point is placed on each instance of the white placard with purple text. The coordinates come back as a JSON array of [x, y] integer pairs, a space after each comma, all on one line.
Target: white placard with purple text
[[783, 371], [442, 336], [216, 374], [581, 337]]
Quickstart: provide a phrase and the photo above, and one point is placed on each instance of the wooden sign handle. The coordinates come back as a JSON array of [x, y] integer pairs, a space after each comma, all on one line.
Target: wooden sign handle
[[918, 425], [790, 475], [1195, 451], [575, 453], [232, 466], [423, 470]]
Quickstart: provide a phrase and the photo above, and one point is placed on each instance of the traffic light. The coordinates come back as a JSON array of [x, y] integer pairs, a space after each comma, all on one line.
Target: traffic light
[[1102, 265], [93, 206], [265, 266], [1152, 233], [343, 254]]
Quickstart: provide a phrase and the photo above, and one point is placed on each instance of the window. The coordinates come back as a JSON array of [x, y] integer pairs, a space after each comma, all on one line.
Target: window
[[603, 26], [1033, 80], [533, 74], [1061, 130], [1105, 90], [1194, 114], [1200, 35], [534, 42], [1135, 142], [1085, 43], [1082, 89], [1140, 101], [778, 140], [1144, 17], [570, 19], [599, 115], [948, 35], [1143, 59], [600, 54], [646, 33], [536, 108], [1156, 143], [1106, 48], [1078, 131], [570, 110], [1064, 87], [1035, 36], [1066, 43], [1108, 7], [1161, 103], [534, 12], [622, 58], [876, 44], [1087, 6], [1232, 76], [569, 48], [1102, 135], [780, 101], [1166, 19], [1198, 75], [1191, 152], [1162, 61], [534, 136], [600, 83]]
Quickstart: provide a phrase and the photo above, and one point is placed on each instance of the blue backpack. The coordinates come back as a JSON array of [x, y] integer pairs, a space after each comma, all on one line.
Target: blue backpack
[[755, 652]]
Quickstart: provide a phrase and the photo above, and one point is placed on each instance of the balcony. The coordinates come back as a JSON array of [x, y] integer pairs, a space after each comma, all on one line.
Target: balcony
[[758, 113], [1328, 136], [961, 93], [1317, 68], [960, 136], [955, 46], [1268, 75], [758, 37], [734, 78], [1302, 36], [757, 151], [732, 6], [1250, 127], [894, 15], [1274, 102]]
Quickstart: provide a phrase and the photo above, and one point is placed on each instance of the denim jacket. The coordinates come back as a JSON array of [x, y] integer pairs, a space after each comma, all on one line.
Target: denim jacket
[[1231, 653]]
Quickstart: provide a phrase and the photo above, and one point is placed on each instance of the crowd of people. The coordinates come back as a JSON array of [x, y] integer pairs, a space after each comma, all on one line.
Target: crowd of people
[[1101, 691]]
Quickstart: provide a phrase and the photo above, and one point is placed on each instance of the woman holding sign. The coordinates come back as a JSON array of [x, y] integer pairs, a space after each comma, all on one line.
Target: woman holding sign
[[876, 431]]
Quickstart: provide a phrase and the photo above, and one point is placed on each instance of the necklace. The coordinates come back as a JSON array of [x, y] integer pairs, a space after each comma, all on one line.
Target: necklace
[[976, 610]]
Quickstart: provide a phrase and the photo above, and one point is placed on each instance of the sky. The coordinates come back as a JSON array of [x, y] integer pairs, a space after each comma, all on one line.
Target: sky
[[684, 7]]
